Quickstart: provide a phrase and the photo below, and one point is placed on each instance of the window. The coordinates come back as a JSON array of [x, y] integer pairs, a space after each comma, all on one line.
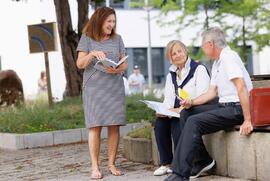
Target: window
[[140, 59], [117, 4], [158, 65]]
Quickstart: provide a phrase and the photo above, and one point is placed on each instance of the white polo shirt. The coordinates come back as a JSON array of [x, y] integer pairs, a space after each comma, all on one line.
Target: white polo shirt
[[228, 67], [196, 86]]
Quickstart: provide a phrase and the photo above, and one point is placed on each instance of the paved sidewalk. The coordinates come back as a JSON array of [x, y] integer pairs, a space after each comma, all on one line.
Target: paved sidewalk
[[71, 162]]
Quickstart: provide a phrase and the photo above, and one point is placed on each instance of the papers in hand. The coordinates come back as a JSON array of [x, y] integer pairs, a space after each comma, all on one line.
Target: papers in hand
[[102, 64], [160, 108]]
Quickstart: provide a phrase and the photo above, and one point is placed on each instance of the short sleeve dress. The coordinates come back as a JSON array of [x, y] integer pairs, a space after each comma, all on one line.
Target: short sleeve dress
[[103, 93]]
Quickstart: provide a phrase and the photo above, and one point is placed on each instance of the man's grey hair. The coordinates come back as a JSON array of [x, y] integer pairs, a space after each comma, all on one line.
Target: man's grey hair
[[216, 35]]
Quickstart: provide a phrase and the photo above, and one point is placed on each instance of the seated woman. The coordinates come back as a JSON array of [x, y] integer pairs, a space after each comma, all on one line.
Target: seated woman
[[189, 76]]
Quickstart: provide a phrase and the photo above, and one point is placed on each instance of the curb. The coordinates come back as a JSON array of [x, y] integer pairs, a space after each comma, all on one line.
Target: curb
[[52, 138]]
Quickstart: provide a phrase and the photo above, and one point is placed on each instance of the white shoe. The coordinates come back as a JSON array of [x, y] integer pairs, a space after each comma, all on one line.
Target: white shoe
[[169, 170], [163, 170], [198, 170]]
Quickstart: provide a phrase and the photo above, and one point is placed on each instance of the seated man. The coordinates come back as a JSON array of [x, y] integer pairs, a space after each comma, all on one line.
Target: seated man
[[231, 82]]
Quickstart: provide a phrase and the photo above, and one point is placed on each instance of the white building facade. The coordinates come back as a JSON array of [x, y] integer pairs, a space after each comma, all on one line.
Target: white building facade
[[131, 25]]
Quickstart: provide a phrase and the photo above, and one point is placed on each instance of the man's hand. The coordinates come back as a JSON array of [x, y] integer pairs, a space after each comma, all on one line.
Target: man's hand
[[186, 103], [246, 128]]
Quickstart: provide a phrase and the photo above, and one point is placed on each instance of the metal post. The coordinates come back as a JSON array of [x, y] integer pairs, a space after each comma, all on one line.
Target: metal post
[[107, 3], [149, 56], [47, 66]]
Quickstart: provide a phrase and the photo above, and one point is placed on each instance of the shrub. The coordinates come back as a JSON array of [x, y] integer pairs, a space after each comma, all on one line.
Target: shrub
[[35, 116], [141, 133]]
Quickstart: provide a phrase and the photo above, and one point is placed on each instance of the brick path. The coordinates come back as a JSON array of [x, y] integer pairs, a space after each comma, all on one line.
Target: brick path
[[71, 162]]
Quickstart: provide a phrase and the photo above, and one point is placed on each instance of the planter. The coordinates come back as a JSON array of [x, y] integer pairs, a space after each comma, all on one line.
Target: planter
[[155, 153], [138, 149]]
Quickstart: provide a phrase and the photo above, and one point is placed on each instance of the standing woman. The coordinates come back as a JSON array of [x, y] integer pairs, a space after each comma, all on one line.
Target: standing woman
[[103, 92]]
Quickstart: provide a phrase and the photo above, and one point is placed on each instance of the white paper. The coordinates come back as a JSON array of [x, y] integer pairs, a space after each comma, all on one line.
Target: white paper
[[160, 108]]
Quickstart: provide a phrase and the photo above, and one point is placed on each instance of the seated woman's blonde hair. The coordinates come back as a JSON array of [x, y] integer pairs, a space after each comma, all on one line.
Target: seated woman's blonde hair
[[169, 47]]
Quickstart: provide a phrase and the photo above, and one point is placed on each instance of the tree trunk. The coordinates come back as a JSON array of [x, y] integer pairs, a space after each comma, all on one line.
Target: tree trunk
[[206, 21], [82, 14], [69, 41]]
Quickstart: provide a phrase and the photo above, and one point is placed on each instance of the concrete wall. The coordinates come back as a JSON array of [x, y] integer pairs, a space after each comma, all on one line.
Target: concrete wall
[[246, 157]]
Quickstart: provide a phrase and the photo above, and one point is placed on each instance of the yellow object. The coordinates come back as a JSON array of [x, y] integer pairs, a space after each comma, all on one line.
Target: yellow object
[[183, 94]]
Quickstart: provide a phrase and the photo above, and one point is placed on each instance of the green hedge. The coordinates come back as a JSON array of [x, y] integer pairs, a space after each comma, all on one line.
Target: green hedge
[[68, 114], [37, 117], [138, 111]]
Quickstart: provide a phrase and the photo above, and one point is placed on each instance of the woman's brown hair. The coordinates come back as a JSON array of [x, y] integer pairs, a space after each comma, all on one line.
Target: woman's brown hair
[[93, 27]]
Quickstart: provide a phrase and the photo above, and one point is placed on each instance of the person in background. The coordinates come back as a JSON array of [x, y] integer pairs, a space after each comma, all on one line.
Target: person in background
[[42, 82], [136, 81], [127, 91], [193, 78]]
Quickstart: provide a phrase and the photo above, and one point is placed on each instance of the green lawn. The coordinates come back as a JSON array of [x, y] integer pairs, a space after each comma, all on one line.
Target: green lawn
[[68, 114]]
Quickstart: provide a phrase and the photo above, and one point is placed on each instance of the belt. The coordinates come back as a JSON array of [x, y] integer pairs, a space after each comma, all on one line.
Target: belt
[[229, 104]]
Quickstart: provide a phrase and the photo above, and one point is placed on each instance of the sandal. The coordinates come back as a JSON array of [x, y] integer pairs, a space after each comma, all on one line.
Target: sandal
[[96, 174], [114, 171]]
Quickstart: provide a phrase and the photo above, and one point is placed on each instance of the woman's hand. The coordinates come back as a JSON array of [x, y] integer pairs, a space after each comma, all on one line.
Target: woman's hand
[[111, 70], [177, 110], [100, 55], [120, 69], [187, 103]]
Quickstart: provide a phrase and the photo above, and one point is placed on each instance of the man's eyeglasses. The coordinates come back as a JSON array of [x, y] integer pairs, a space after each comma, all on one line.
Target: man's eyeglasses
[[203, 44]]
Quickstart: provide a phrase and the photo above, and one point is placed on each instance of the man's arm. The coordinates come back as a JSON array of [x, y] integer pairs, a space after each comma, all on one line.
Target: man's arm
[[202, 99], [243, 95]]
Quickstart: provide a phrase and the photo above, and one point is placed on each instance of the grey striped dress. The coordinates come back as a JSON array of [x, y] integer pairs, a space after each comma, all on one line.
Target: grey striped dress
[[103, 93]]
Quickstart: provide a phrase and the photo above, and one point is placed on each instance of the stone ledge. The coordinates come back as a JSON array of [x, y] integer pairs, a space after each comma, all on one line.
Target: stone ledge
[[34, 140], [245, 157]]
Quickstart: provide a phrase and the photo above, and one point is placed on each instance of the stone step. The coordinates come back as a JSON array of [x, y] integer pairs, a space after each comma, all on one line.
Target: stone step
[[245, 157]]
